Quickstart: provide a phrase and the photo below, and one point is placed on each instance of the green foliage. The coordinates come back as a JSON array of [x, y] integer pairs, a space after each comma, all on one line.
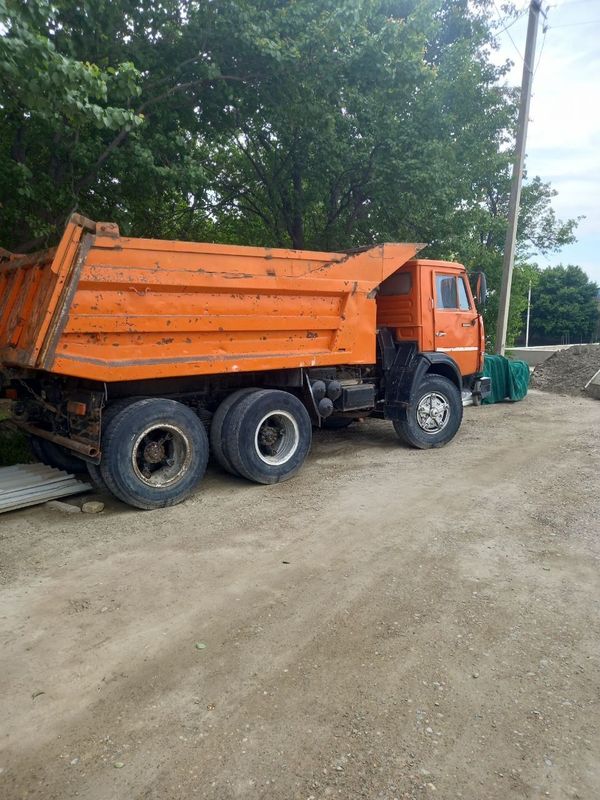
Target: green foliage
[[14, 446], [324, 124], [564, 305]]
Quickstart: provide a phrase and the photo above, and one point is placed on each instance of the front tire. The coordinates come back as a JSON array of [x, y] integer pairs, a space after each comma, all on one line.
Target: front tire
[[267, 436], [433, 416], [154, 452]]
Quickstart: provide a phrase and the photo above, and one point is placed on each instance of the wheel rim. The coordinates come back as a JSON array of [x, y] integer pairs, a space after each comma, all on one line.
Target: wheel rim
[[433, 412], [161, 455], [277, 438]]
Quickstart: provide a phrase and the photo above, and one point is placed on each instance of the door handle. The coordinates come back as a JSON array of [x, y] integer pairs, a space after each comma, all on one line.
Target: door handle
[[469, 324], [441, 333]]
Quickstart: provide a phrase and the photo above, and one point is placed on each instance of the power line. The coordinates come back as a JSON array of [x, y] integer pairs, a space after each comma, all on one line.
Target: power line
[[541, 51], [519, 16], [576, 24], [544, 31], [505, 29], [571, 3]]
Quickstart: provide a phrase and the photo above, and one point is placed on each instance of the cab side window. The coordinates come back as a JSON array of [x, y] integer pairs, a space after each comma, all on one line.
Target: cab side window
[[446, 293], [463, 297]]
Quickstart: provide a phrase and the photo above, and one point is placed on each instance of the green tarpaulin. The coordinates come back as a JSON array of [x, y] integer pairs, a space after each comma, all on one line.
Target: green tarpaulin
[[510, 379]]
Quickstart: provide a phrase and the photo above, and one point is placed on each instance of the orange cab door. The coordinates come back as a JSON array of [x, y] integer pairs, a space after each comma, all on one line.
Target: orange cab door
[[456, 329]]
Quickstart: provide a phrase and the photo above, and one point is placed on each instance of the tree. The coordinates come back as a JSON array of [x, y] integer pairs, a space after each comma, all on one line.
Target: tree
[[564, 306], [479, 233], [324, 124], [105, 107], [52, 107], [397, 108]]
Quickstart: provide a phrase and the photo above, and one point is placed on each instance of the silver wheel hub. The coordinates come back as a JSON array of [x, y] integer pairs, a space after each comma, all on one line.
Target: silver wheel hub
[[161, 455], [277, 438], [433, 412]]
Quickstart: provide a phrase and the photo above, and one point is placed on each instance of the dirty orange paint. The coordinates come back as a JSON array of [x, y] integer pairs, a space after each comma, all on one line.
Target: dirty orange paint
[[108, 308]]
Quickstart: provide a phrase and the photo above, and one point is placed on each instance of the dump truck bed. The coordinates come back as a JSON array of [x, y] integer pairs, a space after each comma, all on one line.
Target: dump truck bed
[[110, 308]]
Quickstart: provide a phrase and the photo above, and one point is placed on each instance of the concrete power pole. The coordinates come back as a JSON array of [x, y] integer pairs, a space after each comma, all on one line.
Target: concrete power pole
[[528, 315], [517, 176]]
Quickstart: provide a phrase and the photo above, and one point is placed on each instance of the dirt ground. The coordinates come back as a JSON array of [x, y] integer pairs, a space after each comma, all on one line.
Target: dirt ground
[[389, 624]]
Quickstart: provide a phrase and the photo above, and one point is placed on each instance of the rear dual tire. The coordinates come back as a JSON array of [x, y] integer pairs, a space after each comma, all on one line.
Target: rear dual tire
[[154, 452], [54, 455], [220, 423], [263, 435], [94, 473]]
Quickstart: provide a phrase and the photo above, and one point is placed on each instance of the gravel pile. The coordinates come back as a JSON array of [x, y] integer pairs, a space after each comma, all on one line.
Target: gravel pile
[[567, 371]]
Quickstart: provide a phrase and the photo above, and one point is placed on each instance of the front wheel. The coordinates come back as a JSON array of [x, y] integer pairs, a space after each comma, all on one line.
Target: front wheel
[[434, 415], [154, 452]]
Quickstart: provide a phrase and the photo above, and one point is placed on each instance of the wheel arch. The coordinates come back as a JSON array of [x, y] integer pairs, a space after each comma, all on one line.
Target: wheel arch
[[444, 365], [408, 371]]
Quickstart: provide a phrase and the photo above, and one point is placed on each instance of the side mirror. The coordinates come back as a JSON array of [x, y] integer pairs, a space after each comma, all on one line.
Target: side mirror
[[480, 289]]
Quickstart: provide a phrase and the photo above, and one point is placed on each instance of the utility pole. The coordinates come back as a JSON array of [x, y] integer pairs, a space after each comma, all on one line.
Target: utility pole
[[517, 176], [528, 315]]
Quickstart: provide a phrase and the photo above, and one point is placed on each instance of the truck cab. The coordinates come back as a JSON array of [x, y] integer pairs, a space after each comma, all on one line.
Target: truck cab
[[430, 303]]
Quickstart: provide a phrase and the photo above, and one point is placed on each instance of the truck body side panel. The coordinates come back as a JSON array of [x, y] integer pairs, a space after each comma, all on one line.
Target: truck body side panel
[[111, 308]]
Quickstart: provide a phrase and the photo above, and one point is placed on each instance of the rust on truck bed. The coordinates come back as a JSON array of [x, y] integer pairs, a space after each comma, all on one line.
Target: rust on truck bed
[[109, 308]]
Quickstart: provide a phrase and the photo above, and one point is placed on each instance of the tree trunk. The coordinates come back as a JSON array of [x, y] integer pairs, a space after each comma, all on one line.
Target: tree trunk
[[297, 221]]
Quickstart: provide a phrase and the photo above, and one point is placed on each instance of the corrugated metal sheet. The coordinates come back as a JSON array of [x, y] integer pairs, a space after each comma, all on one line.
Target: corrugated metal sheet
[[29, 484]]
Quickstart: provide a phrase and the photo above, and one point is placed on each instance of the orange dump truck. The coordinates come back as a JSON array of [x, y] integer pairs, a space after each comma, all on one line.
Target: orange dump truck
[[132, 358]]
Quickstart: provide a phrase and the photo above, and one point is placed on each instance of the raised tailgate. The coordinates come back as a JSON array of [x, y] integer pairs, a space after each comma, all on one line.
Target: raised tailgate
[[32, 291]]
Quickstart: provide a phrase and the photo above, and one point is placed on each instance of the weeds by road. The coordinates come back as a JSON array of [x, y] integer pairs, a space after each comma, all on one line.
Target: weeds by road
[[14, 447]]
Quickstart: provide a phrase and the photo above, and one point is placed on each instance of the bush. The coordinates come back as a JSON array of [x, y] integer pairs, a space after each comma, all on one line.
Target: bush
[[14, 445]]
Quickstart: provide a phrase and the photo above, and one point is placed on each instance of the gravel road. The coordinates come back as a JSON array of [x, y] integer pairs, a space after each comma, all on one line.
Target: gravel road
[[389, 624]]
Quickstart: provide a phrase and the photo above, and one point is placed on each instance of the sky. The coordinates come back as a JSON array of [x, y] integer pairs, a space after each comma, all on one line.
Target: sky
[[563, 142]]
